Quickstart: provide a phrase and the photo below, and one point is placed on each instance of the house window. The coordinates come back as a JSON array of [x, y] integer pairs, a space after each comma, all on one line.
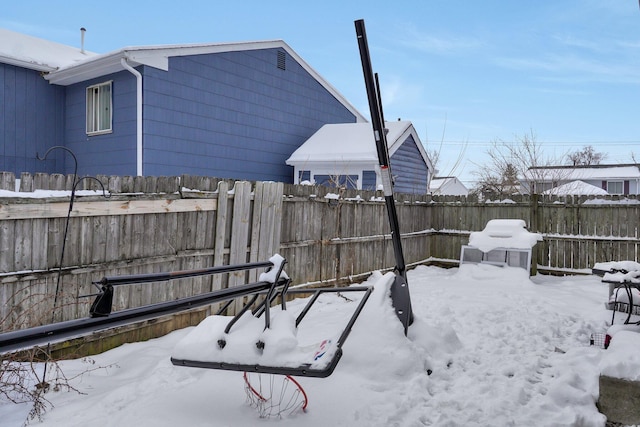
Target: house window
[[304, 176], [615, 187], [99, 109], [369, 180], [337, 181]]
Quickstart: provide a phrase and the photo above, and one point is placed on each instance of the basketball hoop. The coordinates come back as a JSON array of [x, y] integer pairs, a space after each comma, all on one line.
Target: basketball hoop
[[274, 395]]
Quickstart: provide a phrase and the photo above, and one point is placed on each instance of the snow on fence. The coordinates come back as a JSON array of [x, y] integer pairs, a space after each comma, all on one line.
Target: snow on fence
[[152, 224]]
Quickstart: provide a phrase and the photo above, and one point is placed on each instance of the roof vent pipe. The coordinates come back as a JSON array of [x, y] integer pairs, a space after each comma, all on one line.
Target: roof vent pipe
[[82, 31]]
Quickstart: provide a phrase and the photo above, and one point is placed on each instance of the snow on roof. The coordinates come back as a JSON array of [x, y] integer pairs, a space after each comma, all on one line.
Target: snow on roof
[[576, 188], [349, 142], [569, 173], [37, 54], [447, 185], [436, 183], [504, 233]]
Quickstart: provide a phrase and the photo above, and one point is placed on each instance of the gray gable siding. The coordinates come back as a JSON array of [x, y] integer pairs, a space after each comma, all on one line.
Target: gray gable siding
[[113, 153], [31, 121], [409, 169], [232, 115]]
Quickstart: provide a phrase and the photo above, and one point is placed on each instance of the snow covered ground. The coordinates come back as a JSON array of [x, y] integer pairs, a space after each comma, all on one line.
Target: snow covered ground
[[504, 350]]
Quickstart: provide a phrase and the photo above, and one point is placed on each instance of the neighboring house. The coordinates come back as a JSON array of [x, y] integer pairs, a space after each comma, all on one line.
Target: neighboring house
[[345, 155], [614, 179], [231, 110], [447, 186]]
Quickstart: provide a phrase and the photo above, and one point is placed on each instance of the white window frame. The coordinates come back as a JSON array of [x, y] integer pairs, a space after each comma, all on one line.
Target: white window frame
[[99, 110], [621, 183]]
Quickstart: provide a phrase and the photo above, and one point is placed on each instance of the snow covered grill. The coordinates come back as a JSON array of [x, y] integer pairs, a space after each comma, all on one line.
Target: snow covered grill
[[503, 242]]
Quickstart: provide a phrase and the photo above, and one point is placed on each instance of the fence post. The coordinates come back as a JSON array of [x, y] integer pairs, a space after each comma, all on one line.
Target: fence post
[[534, 226], [7, 181]]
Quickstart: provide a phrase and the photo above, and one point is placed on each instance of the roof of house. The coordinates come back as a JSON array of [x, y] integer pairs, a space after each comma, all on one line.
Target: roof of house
[[353, 142], [576, 188], [66, 65], [447, 185], [573, 173], [38, 54], [438, 181]]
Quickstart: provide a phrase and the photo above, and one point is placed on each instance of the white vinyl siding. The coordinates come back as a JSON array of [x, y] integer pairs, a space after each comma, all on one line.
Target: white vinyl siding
[[99, 108]]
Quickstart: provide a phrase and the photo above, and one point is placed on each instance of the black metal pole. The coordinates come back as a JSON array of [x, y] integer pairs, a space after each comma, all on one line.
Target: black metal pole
[[41, 335], [172, 275], [400, 288]]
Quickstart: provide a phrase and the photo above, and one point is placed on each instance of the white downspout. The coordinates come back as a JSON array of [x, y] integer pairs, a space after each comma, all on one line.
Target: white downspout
[[135, 72]]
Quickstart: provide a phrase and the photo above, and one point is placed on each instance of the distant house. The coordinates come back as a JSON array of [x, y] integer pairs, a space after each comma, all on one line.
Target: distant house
[[447, 186], [231, 110], [345, 155], [614, 179]]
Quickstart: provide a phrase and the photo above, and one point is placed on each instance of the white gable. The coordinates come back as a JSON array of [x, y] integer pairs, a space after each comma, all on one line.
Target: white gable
[[449, 186]]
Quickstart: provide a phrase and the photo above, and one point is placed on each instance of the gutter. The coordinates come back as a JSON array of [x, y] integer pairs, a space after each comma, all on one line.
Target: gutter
[[135, 72]]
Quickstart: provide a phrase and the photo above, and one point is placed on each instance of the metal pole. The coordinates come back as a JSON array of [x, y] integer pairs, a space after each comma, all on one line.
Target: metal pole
[[400, 289], [40, 335], [182, 274]]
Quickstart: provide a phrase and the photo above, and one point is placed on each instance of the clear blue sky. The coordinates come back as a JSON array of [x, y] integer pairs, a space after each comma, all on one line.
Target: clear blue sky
[[466, 73]]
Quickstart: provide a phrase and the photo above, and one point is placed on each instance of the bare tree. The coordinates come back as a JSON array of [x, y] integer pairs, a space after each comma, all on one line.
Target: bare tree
[[510, 162], [27, 376], [586, 156], [434, 154]]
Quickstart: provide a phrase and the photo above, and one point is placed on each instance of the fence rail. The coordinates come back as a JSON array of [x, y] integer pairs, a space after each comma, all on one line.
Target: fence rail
[[154, 224]]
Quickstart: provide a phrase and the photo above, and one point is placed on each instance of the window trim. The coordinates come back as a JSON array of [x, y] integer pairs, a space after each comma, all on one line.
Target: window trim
[[92, 104]]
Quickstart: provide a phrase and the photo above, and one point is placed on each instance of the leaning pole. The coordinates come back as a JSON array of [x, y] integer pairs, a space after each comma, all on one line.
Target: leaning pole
[[400, 296]]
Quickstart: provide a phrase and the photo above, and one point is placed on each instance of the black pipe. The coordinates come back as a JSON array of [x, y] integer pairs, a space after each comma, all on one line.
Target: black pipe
[[172, 275], [40, 335]]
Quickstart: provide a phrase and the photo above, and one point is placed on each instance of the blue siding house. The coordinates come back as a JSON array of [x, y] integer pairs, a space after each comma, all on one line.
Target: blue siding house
[[231, 110], [345, 155]]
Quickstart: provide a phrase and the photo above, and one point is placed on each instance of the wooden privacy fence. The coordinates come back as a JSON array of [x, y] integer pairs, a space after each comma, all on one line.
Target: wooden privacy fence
[[128, 234], [577, 231], [154, 224]]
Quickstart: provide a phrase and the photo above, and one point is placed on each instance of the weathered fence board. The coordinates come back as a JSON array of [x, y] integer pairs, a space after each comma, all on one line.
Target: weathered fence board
[[101, 208]]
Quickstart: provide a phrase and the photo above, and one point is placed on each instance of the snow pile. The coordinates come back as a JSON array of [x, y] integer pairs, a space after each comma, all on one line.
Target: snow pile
[[488, 347], [623, 359], [43, 194], [504, 233], [272, 275], [621, 295], [617, 266], [629, 277], [577, 188]]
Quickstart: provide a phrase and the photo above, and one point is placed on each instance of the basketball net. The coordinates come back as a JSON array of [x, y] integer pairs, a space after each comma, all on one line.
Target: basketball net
[[274, 395]]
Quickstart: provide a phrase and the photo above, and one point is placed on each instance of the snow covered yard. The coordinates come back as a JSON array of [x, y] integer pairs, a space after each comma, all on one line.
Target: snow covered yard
[[503, 349]]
